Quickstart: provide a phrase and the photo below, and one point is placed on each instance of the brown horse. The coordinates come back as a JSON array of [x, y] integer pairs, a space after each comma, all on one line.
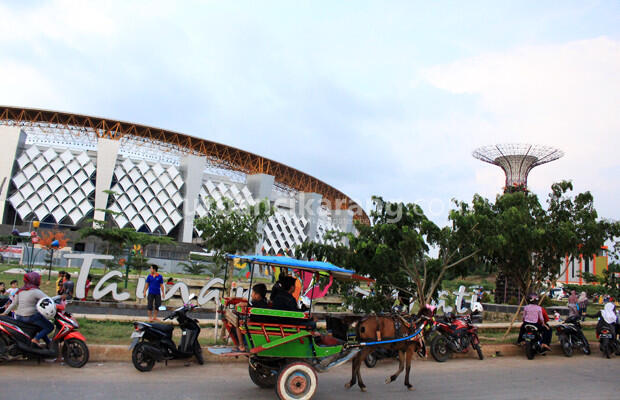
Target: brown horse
[[378, 328]]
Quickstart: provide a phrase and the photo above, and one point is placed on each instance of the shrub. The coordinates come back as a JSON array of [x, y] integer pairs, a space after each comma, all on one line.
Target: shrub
[[513, 301]]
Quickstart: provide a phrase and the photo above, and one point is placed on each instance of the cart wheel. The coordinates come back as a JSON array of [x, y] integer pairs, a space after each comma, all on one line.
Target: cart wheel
[[296, 381]]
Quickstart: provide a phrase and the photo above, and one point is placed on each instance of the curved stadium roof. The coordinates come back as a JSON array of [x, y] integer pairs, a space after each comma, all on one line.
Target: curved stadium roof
[[219, 155]]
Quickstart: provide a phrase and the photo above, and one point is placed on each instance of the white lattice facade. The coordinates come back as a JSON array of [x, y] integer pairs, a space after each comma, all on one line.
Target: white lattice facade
[[53, 185], [66, 183], [148, 196]]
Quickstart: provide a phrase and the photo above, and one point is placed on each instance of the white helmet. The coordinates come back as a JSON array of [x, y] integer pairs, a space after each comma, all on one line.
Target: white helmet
[[46, 307]]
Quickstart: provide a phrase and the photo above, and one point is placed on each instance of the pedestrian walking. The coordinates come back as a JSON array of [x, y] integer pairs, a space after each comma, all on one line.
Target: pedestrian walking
[[155, 289]]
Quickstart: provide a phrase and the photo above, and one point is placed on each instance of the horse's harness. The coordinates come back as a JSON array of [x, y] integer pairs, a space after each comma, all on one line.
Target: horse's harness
[[399, 320]]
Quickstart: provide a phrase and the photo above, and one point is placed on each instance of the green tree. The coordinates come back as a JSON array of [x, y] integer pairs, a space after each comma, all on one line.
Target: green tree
[[527, 242], [402, 249], [193, 268], [227, 229]]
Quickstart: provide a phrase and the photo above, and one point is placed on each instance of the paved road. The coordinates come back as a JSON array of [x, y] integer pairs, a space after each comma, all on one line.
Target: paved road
[[580, 377]]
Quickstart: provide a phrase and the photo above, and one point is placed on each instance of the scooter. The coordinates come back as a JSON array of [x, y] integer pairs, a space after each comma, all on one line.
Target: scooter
[[571, 336], [16, 336], [152, 342], [533, 341], [608, 344]]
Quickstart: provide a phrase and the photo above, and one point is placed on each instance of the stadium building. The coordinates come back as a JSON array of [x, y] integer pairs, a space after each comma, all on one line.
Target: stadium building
[[58, 168]]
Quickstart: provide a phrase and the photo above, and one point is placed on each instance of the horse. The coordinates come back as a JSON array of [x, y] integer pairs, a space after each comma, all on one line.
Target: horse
[[385, 327]]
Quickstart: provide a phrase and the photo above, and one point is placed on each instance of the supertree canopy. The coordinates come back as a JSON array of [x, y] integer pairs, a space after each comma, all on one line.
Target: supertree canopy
[[517, 160]]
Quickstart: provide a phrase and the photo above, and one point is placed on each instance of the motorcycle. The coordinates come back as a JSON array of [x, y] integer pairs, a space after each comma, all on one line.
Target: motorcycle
[[533, 341], [455, 335], [379, 354], [571, 337], [152, 342], [16, 336], [608, 343]]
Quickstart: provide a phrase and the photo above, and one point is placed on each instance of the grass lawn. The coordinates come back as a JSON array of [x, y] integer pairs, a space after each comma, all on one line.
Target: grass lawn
[[109, 332]]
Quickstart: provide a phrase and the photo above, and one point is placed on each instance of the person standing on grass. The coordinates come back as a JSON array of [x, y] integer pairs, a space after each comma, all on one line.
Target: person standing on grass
[[582, 302], [155, 289], [67, 287], [59, 282]]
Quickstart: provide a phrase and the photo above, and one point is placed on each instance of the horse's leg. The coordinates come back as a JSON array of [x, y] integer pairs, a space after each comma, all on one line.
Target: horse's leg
[[353, 381], [363, 354], [401, 366], [410, 350]]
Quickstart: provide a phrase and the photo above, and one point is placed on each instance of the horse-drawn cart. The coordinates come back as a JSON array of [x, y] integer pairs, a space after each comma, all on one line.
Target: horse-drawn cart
[[284, 348]]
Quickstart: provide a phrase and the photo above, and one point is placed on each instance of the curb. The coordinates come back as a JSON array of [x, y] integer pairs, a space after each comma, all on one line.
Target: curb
[[119, 353]]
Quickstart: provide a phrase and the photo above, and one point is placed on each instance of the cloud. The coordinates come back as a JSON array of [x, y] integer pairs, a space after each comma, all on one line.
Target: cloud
[[565, 95]]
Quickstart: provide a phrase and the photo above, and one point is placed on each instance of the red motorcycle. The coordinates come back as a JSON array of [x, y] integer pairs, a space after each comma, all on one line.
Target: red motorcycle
[[16, 336], [454, 335]]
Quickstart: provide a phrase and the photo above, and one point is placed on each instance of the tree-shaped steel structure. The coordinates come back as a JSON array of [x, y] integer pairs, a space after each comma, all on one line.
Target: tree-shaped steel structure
[[517, 160]]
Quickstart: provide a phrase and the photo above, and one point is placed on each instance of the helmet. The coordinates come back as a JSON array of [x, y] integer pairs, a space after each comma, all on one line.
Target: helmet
[[532, 298], [46, 307]]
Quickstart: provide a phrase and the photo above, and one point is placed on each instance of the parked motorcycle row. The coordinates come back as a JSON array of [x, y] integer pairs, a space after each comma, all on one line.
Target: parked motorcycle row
[[451, 334], [152, 342]]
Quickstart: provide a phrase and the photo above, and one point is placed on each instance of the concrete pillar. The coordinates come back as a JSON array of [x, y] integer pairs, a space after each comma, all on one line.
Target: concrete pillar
[[12, 139], [192, 169], [260, 185], [107, 153], [308, 207], [343, 219]]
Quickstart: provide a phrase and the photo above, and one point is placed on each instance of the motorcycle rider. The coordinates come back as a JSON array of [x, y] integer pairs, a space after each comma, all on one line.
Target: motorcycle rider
[[26, 301], [607, 317], [536, 315]]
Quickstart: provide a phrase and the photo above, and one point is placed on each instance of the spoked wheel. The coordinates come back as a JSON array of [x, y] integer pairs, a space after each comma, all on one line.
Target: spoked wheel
[[439, 348], [141, 360], [75, 353], [371, 360], [198, 353], [529, 350], [261, 376], [478, 350], [296, 381]]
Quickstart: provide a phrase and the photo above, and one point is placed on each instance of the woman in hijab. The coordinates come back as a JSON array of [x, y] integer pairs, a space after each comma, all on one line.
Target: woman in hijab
[[607, 317], [25, 301], [582, 302]]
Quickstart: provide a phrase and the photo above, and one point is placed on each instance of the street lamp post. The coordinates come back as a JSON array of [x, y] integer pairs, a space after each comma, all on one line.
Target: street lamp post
[[54, 245], [34, 238]]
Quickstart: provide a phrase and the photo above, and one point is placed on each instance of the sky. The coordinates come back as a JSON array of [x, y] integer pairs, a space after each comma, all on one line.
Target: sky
[[384, 98]]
